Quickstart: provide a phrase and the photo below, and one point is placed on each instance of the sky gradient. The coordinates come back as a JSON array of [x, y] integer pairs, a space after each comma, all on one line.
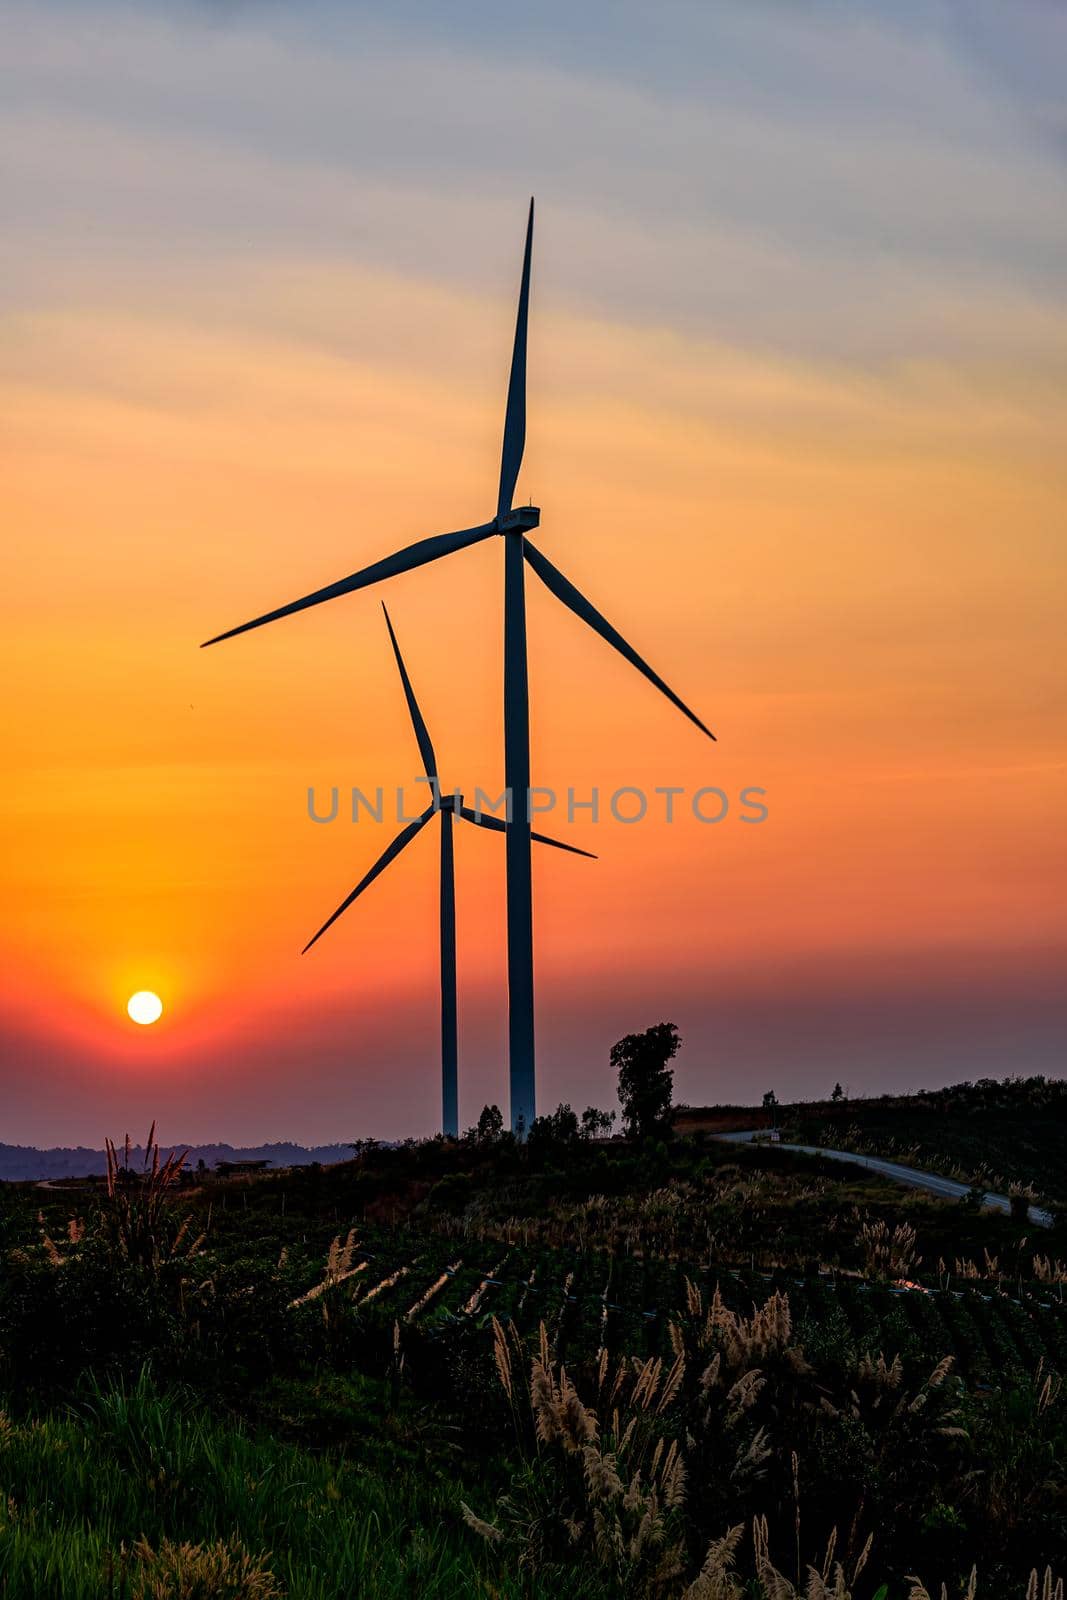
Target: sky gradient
[[796, 417]]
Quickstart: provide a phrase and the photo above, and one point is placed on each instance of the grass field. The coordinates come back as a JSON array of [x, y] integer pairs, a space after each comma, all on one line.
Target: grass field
[[677, 1369]]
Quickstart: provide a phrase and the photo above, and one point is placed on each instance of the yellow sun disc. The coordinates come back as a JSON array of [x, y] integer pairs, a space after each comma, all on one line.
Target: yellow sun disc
[[145, 1007]]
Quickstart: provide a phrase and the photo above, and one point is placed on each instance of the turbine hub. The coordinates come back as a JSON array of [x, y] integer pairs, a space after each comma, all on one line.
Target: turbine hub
[[519, 520], [450, 802]]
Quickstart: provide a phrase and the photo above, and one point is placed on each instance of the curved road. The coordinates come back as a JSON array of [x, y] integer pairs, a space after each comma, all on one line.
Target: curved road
[[932, 1182]]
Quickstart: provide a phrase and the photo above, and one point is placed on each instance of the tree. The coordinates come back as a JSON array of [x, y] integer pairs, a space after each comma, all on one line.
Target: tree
[[770, 1100], [596, 1124], [490, 1125], [558, 1127], [838, 1094], [645, 1082]]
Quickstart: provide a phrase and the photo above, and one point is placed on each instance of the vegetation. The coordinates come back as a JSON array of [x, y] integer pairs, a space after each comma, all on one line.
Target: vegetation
[[993, 1133], [603, 1367], [645, 1081]]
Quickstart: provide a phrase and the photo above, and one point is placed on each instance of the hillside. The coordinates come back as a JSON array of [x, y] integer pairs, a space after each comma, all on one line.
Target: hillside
[[471, 1367], [993, 1132], [20, 1163]]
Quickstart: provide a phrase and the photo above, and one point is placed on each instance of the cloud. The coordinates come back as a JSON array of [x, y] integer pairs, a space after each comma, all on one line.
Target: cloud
[[821, 183]]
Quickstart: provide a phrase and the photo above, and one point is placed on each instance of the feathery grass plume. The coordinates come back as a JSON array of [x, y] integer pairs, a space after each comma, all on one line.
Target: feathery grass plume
[[673, 1478], [743, 1395], [386, 1283], [138, 1217], [934, 1381], [339, 1268], [673, 1384], [502, 1358], [51, 1250], [715, 1580], [752, 1460], [1044, 1587], [919, 1591], [648, 1376], [471, 1306], [862, 1558], [578, 1425], [710, 1377], [224, 1570], [1048, 1387], [433, 1291], [601, 1369], [339, 1256], [879, 1374], [526, 1289], [776, 1586], [827, 1582], [485, 1530], [601, 1474], [745, 1341], [888, 1253]]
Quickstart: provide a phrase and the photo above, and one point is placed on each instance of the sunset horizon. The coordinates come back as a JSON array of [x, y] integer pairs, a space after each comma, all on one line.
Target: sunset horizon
[[797, 434]]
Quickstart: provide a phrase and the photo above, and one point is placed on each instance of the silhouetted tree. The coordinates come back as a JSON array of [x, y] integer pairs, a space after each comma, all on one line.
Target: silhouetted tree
[[645, 1081], [770, 1100], [838, 1094], [594, 1123], [559, 1127], [490, 1125]]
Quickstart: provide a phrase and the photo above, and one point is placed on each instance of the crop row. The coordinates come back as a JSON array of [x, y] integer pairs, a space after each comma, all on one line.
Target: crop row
[[588, 1301]]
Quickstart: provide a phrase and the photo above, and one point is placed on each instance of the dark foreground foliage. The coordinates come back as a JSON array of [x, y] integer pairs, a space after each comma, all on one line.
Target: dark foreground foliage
[[596, 1368]]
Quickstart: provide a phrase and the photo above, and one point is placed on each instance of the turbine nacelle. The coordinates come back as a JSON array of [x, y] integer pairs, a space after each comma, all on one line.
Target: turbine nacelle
[[450, 802], [521, 520]]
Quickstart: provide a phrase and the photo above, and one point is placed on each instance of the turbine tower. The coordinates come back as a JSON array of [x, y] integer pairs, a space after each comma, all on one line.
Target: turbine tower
[[446, 806], [514, 525]]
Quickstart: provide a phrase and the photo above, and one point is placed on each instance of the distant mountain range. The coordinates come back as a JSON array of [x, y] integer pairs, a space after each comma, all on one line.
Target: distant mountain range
[[20, 1163]]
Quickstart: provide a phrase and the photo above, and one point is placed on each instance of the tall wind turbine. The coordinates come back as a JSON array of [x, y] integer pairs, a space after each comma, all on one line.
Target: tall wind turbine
[[514, 525], [446, 806]]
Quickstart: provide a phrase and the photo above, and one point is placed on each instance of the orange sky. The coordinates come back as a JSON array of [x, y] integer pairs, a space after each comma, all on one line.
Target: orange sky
[[851, 567]]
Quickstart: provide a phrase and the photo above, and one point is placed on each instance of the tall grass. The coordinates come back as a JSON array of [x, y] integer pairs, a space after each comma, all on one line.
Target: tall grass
[[79, 1490]]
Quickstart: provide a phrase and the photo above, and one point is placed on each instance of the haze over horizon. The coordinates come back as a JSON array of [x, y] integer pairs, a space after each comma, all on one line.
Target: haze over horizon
[[798, 354]]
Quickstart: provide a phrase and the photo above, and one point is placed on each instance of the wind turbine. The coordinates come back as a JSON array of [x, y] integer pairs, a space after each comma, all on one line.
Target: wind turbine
[[446, 806], [514, 525]]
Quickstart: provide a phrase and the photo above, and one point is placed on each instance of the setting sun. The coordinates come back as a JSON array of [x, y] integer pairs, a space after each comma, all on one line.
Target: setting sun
[[145, 1007]]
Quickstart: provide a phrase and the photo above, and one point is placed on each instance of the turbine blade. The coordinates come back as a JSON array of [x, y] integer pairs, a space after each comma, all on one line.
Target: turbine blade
[[390, 853], [418, 722], [515, 415], [483, 820], [413, 555], [564, 590]]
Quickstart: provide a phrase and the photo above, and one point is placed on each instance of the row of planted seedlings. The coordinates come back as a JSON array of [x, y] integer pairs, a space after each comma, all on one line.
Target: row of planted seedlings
[[419, 1280]]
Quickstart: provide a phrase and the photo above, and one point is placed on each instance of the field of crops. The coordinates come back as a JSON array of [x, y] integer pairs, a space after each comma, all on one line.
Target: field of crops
[[585, 1366], [589, 1301]]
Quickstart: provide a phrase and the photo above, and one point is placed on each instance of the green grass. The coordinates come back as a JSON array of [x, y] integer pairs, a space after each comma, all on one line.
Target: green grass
[[79, 1486]]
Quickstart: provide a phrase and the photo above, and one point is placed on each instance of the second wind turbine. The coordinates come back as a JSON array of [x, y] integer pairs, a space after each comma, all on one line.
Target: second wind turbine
[[514, 525], [446, 806]]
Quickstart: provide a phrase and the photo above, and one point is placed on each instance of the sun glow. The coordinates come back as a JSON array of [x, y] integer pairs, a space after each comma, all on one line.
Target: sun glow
[[144, 1007]]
